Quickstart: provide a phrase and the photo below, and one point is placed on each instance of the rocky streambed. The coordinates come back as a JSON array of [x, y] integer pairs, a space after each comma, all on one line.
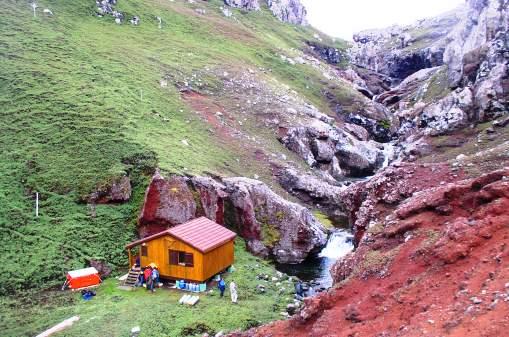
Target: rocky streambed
[[315, 271]]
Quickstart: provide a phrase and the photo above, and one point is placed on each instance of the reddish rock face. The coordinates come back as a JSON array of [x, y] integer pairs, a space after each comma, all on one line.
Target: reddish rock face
[[424, 270], [371, 201], [272, 226], [211, 197], [168, 202]]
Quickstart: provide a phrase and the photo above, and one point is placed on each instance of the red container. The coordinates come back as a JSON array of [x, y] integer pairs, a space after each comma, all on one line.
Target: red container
[[83, 278]]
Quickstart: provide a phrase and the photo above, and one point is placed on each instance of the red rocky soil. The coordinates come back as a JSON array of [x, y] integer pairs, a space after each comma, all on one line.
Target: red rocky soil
[[212, 112], [433, 261]]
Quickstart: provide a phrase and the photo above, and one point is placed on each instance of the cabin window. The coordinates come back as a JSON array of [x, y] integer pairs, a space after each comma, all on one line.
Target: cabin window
[[144, 251], [181, 258], [189, 260], [174, 257]]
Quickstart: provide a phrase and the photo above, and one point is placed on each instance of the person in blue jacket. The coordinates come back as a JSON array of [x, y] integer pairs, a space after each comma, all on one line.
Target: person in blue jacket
[[222, 286], [154, 277]]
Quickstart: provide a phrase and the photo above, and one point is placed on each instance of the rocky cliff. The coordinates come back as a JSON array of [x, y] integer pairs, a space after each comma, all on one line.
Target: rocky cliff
[[291, 11], [431, 228], [272, 226], [446, 73], [437, 265], [398, 51]]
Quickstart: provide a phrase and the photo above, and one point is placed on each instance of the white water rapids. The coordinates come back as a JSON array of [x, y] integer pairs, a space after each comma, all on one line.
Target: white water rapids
[[317, 271], [339, 244]]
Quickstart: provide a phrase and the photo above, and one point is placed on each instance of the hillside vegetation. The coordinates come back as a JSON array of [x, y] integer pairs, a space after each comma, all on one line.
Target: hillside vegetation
[[82, 104]]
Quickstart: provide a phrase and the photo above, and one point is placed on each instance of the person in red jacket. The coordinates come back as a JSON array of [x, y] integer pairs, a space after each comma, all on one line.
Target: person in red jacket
[[147, 276]]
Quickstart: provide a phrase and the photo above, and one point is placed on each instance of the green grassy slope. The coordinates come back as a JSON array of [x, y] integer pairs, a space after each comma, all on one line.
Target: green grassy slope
[[81, 104], [113, 312]]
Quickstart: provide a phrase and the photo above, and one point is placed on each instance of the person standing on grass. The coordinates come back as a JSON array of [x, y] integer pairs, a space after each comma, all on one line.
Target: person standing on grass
[[150, 283], [155, 278], [233, 292], [147, 275], [222, 286]]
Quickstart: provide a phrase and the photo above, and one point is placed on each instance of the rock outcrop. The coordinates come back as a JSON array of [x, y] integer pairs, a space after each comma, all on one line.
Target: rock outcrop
[[411, 88], [437, 263], [334, 151], [285, 230], [272, 226], [168, 202], [449, 114], [478, 56], [105, 6], [457, 205], [450, 72], [317, 191], [370, 201], [481, 36], [398, 52], [249, 5], [212, 196], [291, 11], [381, 130], [102, 267], [330, 54], [117, 191]]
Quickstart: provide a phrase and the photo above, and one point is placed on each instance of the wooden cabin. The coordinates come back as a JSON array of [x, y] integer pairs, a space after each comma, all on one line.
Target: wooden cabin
[[194, 251]]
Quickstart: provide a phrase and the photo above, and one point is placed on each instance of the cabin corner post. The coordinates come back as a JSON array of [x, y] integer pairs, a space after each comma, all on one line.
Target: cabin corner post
[[130, 257]]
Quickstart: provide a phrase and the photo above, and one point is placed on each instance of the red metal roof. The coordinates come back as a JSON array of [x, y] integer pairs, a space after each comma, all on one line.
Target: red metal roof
[[201, 233]]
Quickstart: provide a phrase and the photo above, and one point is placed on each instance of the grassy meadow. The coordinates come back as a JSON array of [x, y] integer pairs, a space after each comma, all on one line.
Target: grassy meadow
[[114, 312]]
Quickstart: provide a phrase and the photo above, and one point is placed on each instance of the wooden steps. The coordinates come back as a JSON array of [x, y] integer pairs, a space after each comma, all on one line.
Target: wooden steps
[[132, 277]]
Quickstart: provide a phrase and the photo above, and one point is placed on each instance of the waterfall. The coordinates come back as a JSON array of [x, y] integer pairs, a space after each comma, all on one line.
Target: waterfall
[[389, 154], [339, 244], [316, 271]]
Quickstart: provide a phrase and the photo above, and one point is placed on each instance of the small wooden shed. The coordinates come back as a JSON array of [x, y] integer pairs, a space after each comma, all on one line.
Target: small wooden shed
[[193, 251]]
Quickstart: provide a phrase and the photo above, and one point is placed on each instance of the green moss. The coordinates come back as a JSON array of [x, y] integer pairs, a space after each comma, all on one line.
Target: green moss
[[437, 88], [385, 123], [270, 234], [323, 219], [375, 261], [376, 229]]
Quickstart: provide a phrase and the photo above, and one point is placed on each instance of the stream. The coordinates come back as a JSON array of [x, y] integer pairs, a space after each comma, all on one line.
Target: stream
[[315, 271]]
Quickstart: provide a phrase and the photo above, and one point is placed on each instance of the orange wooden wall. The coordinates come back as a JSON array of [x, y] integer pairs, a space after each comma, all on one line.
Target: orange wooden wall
[[218, 259]]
